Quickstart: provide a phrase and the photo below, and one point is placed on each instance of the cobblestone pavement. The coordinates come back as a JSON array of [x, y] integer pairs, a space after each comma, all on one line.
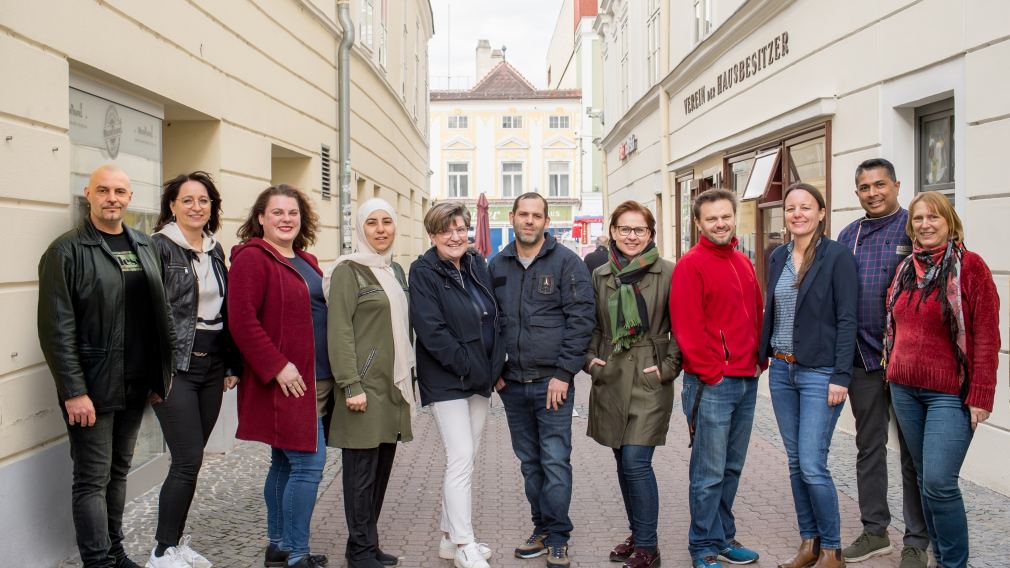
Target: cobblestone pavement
[[228, 526]]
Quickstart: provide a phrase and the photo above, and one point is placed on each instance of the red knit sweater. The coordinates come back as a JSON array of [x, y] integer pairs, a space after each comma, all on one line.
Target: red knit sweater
[[923, 354]]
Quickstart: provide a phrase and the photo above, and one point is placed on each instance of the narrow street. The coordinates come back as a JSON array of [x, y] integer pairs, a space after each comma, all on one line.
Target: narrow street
[[228, 517]]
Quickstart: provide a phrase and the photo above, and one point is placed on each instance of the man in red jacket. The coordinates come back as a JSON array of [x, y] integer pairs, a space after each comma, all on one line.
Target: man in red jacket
[[716, 311]]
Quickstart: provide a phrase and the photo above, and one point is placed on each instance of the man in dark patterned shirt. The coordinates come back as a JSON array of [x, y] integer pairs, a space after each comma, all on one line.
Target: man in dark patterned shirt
[[879, 243]]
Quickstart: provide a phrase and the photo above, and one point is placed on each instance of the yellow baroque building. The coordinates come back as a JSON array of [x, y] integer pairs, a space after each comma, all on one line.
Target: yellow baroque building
[[246, 90], [505, 137]]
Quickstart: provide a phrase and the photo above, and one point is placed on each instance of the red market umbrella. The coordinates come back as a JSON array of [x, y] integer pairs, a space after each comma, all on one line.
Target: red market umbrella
[[482, 233]]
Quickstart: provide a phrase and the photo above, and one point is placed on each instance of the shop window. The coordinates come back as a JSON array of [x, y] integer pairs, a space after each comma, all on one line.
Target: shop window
[[760, 176], [686, 201], [511, 179], [459, 179], [558, 179], [935, 141]]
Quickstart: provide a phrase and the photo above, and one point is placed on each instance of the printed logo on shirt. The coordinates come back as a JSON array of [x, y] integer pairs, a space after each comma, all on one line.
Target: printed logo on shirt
[[128, 261], [903, 250]]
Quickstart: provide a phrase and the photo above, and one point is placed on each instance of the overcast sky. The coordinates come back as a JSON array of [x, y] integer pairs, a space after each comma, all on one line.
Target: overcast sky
[[523, 26]]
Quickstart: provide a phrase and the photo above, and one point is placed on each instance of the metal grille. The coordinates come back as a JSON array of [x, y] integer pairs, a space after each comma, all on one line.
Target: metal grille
[[324, 158]]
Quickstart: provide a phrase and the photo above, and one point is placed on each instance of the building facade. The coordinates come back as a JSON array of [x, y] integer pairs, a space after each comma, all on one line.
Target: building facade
[[763, 93], [244, 91], [505, 137], [573, 62]]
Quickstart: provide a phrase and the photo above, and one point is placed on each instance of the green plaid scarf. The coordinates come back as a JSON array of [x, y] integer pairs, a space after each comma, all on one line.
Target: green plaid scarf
[[629, 317]]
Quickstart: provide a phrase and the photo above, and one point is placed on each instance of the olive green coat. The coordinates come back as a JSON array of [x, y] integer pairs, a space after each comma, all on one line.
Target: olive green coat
[[627, 406], [360, 340]]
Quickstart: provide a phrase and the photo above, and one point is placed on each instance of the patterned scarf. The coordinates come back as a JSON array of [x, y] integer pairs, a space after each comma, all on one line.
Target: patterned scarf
[[935, 271], [629, 317]]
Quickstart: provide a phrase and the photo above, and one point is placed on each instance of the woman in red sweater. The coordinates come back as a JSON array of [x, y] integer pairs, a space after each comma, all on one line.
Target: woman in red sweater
[[277, 317], [941, 355]]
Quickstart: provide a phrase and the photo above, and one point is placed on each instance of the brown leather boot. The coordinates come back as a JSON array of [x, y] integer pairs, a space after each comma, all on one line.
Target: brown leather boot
[[807, 554], [830, 558]]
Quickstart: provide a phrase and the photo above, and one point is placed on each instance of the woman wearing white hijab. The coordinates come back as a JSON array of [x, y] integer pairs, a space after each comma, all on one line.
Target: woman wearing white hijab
[[371, 357]]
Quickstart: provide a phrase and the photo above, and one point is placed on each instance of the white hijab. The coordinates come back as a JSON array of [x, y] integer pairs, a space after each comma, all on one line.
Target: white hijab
[[381, 265]]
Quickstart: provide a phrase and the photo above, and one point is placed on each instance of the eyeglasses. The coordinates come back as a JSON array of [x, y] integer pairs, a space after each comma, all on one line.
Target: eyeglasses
[[449, 233], [190, 202], [625, 230]]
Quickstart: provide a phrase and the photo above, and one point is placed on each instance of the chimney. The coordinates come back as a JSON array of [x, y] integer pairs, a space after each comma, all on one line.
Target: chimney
[[484, 63]]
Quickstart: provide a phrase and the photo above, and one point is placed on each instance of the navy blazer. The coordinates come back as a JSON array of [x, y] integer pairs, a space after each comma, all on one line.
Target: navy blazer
[[824, 331]]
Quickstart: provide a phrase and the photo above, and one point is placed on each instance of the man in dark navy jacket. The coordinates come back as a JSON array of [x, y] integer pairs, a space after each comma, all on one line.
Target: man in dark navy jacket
[[547, 297], [879, 243]]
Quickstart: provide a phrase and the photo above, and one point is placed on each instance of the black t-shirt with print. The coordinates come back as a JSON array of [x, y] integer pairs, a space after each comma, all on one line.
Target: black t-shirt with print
[[138, 335]]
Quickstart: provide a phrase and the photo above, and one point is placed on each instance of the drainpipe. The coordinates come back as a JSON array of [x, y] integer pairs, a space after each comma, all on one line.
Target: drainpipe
[[344, 121]]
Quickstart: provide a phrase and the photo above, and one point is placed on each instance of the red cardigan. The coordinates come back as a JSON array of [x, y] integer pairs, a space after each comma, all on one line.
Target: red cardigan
[[270, 319], [923, 355], [716, 312]]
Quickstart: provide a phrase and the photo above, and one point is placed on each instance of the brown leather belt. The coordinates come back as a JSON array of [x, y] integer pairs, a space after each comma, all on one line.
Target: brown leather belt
[[788, 358]]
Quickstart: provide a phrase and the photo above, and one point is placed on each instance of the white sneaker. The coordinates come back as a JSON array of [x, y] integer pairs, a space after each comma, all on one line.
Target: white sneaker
[[447, 549], [470, 556], [194, 558], [171, 559]]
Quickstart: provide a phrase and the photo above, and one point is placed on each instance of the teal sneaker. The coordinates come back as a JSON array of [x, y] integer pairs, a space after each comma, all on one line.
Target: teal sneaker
[[736, 553], [706, 562]]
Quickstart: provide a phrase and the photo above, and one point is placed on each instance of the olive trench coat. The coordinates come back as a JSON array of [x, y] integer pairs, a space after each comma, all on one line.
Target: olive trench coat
[[360, 340], [627, 406]]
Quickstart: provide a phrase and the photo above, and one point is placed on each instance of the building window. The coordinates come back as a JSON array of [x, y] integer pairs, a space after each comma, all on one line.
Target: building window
[[459, 179], [458, 121], [686, 200], [559, 121], [512, 121], [511, 179], [558, 179], [652, 31], [625, 79], [935, 155], [367, 17], [383, 41], [417, 65], [403, 65], [702, 19]]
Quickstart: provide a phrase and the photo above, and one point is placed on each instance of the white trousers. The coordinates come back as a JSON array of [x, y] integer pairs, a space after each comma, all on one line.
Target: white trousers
[[461, 423]]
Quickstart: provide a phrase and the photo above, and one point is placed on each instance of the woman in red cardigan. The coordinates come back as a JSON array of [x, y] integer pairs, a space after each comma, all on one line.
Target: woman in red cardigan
[[278, 321], [941, 355]]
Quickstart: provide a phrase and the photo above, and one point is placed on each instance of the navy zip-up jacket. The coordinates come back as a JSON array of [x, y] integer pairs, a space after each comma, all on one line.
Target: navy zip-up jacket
[[824, 328], [550, 312], [452, 360]]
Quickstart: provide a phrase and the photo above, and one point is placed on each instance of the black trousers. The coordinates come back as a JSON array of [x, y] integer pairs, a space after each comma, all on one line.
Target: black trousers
[[365, 475], [871, 407], [187, 419], [102, 455]]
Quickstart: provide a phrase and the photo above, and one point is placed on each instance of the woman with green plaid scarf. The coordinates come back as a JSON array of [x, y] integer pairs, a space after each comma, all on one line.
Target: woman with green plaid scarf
[[633, 361]]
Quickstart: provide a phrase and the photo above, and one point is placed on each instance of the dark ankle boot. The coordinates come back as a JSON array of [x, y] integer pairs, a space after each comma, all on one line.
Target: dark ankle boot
[[806, 556]]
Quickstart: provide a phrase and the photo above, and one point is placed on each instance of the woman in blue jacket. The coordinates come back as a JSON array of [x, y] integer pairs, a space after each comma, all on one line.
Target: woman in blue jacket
[[459, 357], [810, 331]]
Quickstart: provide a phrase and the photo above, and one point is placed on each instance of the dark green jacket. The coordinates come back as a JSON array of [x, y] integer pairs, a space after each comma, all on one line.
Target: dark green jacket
[[627, 406], [82, 320], [360, 341]]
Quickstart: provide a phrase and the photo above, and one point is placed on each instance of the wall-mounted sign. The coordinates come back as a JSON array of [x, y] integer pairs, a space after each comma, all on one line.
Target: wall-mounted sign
[[628, 147], [557, 213], [746, 68]]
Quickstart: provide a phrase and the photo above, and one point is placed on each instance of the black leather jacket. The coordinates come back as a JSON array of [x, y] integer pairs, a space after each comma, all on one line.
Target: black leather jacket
[[183, 295], [82, 322]]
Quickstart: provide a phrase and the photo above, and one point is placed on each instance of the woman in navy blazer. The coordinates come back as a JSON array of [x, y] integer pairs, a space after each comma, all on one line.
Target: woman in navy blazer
[[809, 330]]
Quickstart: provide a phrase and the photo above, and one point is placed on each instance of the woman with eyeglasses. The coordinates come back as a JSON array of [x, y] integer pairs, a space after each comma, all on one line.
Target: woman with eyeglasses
[[459, 357], [633, 361], [196, 282]]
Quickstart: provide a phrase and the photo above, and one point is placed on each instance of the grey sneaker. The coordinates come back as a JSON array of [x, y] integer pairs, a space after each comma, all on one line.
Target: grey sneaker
[[912, 557], [558, 556], [533, 547], [867, 546]]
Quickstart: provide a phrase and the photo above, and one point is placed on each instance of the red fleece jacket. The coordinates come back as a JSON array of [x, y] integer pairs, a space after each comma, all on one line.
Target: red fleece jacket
[[270, 319], [923, 354], [715, 311]]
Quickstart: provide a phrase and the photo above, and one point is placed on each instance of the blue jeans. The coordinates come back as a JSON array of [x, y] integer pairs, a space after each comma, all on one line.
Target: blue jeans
[[721, 435], [806, 423], [641, 495], [290, 494], [542, 440], [937, 429]]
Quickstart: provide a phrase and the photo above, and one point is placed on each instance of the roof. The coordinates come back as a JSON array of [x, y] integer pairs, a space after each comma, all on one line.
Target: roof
[[505, 82]]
